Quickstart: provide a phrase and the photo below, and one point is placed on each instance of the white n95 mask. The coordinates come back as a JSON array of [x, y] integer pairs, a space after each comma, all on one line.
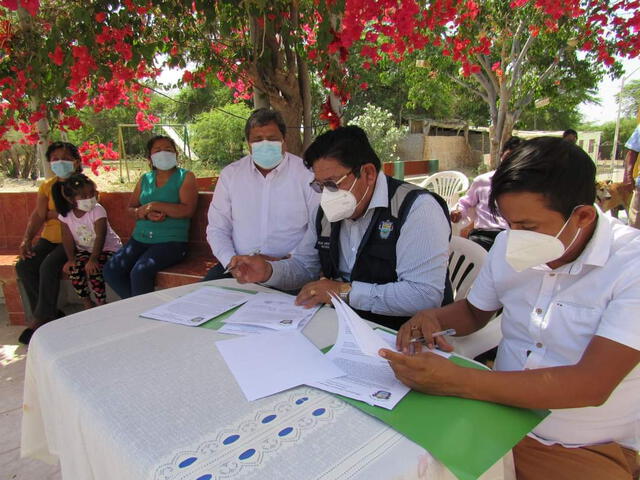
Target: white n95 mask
[[526, 249], [87, 204], [340, 204]]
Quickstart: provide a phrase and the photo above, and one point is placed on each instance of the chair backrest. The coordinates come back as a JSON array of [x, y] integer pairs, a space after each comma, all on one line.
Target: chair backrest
[[449, 185], [465, 260]]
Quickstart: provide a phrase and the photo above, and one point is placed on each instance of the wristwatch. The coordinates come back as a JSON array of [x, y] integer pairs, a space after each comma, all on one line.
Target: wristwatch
[[345, 289]]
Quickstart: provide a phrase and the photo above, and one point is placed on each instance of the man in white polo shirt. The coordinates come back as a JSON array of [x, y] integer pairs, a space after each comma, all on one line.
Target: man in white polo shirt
[[568, 280], [262, 203]]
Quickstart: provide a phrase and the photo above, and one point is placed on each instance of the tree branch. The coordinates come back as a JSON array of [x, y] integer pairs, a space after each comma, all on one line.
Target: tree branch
[[515, 45], [515, 69], [524, 101], [468, 87], [482, 60]]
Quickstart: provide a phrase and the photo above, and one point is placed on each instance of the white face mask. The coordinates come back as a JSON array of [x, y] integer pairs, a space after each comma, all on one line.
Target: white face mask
[[526, 249], [164, 160], [340, 204], [87, 204]]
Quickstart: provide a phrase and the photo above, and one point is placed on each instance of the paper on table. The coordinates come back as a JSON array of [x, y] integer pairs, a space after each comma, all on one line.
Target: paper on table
[[270, 363], [368, 379], [242, 329], [198, 307], [368, 341], [272, 310]]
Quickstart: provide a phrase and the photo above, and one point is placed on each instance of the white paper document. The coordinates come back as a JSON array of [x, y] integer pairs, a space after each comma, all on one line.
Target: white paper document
[[270, 363], [198, 307], [241, 329], [276, 311], [366, 338], [368, 378]]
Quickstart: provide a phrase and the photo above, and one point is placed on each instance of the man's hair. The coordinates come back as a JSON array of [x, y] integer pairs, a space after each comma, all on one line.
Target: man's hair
[[70, 148], [562, 172], [348, 145], [510, 144], [569, 131], [262, 117]]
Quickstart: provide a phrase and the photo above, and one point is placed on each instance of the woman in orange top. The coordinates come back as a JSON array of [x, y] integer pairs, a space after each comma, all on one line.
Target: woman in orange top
[[40, 264]]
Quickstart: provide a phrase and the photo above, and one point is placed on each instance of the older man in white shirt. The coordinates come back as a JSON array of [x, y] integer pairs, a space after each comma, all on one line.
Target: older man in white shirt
[[381, 244], [262, 203], [568, 280]]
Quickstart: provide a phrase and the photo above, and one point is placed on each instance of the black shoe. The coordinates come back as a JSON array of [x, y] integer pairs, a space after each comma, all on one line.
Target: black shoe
[[60, 314], [25, 336]]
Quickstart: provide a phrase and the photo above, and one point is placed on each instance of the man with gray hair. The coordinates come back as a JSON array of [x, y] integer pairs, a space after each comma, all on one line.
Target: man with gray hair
[[262, 203]]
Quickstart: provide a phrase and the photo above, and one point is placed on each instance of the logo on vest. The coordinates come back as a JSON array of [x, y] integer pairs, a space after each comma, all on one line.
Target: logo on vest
[[322, 244], [385, 228]]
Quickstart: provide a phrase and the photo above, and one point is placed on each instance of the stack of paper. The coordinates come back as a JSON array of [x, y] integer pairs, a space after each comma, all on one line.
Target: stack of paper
[[266, 312], [369, 378], [270, 363], [198, 307]]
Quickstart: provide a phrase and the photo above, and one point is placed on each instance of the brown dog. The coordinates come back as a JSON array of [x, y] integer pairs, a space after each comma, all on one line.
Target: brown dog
[[612, 196]]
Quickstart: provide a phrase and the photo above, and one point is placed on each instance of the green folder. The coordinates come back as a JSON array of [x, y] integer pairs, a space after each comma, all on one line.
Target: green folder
[[467, 436]]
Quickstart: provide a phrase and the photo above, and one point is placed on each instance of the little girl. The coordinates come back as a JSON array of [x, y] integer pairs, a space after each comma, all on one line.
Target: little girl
[[87, 237]]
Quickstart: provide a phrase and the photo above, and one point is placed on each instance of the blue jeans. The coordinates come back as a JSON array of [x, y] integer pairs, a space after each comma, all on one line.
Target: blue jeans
[[132, 270]]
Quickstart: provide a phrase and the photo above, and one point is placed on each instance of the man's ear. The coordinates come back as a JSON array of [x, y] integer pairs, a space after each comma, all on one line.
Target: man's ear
[[585, 215], [370, 172]]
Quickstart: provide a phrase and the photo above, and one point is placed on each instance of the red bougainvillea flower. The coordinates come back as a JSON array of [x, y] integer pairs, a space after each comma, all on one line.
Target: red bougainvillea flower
[[57, 57], [31, 6], [329, 115], [93, 156]]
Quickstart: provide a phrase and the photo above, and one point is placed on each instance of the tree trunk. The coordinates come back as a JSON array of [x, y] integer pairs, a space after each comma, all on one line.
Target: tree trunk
[[26, 24], [260, 100], [274, 71], [43, 129], [305, 91], [292, 113]]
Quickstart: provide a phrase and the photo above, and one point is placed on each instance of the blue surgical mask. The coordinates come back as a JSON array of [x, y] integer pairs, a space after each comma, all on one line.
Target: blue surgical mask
[[266, 154], [62, 168], [164, 160]]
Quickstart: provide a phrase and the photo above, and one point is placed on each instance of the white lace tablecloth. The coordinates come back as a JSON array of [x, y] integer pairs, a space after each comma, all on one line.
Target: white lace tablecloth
[[116, 397]]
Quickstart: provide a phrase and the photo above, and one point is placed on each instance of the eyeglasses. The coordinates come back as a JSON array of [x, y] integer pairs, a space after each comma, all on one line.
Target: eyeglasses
[[329, 184]]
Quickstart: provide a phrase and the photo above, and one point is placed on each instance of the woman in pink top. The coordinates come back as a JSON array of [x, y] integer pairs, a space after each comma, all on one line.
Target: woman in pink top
[[486, 226], [87, 237]]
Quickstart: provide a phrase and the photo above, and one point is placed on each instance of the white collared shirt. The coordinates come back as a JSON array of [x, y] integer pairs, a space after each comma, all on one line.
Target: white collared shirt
[[250, 211], [550, 316], [422, 253]]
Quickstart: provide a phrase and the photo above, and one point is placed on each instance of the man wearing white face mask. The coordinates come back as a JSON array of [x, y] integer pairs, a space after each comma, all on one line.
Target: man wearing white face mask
[[568, 279], [380, 243], [262, 203]]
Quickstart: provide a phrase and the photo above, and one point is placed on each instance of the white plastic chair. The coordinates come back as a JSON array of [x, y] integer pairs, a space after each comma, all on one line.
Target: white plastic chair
[[449, 185], [465, 260]]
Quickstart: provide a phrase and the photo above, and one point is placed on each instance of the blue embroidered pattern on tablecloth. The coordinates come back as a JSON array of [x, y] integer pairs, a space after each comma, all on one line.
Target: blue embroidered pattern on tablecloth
[[246, 445]]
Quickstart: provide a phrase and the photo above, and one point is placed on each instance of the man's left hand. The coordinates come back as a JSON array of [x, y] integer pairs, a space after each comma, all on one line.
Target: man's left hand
[[317, 292], [425, 372]]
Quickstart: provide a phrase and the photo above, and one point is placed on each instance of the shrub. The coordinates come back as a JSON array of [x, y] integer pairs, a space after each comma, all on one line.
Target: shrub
[[382, 131], [218, 137]]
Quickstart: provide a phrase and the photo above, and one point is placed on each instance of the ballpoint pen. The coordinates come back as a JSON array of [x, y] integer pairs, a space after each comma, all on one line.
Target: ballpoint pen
[[255, 252], [449, 331]]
